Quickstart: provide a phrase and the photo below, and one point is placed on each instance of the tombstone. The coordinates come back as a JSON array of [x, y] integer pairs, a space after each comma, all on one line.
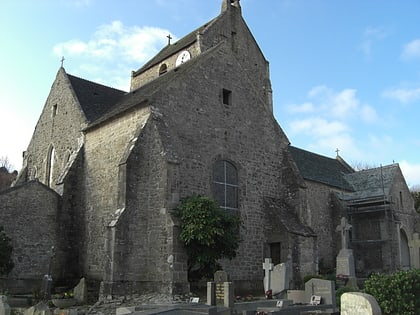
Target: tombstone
[[4, 307], [297, 296], [229, 297], [211, 293], [80, 291], [353, 303], [268, 267], [323, 288], [220, 277], [414, 246], [345, 258], [280, 278]]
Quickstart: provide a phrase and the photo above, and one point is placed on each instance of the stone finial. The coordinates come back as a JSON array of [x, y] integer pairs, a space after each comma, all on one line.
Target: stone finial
[[226, 4]]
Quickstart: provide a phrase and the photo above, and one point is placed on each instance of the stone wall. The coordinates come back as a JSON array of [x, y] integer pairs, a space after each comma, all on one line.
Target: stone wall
[[58, 127], [105, 148], [204, 130], [138, 80], [29, 215], [321, 215]]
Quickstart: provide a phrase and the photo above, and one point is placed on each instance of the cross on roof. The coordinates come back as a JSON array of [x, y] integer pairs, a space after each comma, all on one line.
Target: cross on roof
[[336, 151], [62, 61], [169, 38]]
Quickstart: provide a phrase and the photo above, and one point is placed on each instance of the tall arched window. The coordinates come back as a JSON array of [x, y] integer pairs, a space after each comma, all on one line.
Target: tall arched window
[[225, 184], [50, 166]]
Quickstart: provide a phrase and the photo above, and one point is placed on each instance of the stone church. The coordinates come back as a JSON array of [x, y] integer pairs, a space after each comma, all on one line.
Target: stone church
[[105, 168]]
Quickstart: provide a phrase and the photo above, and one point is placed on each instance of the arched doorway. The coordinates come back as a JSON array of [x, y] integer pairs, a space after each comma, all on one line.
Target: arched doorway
[[404, 250]]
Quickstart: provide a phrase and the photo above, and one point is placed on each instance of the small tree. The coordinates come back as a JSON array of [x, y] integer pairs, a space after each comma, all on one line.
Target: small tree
[[208, 233], [6, 249], [415, 192]]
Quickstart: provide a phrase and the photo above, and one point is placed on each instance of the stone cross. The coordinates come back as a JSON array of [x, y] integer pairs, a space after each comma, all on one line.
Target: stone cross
[[62, 61], [169, 39], [344, 228], [268, 267]]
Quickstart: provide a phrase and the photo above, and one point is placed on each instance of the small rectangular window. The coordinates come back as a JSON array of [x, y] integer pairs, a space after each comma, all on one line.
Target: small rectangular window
[[54, 110], [227, 97]]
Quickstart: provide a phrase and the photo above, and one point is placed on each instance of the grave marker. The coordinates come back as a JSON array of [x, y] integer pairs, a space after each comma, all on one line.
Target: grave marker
[[323, 288], [414, 246], [345, 258], [359, 303], [268, 267], [4, 307]]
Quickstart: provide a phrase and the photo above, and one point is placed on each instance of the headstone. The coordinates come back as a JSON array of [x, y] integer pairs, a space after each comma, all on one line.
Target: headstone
[[80, 291], [268, 267], [229, 297], [345, 258], [323, 288], [280, 278], [297, 296], [414, 246], [220, 277], [4, 307], [211, 293], [354, 303]]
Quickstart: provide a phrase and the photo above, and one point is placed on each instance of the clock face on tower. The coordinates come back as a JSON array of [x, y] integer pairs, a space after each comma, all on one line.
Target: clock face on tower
[[183, 56]]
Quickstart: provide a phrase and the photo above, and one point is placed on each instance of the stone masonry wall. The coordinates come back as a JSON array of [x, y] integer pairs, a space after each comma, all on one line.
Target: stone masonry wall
[[29, 214], [207, 130], [104, 150], [144, 233], [152, 73], [59, 128], [323, 218]]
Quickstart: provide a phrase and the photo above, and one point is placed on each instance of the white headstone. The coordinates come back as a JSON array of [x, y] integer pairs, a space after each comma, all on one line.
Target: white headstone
[[268, 267], [4, 307], [355, 303], [280, 278]]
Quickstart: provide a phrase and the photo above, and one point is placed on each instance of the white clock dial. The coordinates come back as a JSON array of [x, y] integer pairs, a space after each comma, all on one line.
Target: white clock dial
[[184, 56]]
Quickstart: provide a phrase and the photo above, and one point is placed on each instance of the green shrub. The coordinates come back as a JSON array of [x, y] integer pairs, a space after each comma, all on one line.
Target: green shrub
[[397, 293], [208, 233]]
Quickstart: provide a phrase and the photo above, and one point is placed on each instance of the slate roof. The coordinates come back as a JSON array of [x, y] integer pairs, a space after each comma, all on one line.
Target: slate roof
[[281, 215], [371, 183], [321, 169], [95, 99], [171, 49]]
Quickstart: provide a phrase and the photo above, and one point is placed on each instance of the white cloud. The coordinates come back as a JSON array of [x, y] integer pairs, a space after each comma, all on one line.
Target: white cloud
[[411, 50], [403, 95], [317, 127], [342, 105], [371, 35], [302, 108], [411, 173], [113, 50]]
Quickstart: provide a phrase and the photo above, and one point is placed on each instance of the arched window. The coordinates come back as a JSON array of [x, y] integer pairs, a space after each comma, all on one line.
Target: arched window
[[225, 184], [163, 69], [50, 166]]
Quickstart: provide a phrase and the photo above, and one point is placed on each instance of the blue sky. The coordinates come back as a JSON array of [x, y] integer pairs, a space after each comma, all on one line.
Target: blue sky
[[345, 74]]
